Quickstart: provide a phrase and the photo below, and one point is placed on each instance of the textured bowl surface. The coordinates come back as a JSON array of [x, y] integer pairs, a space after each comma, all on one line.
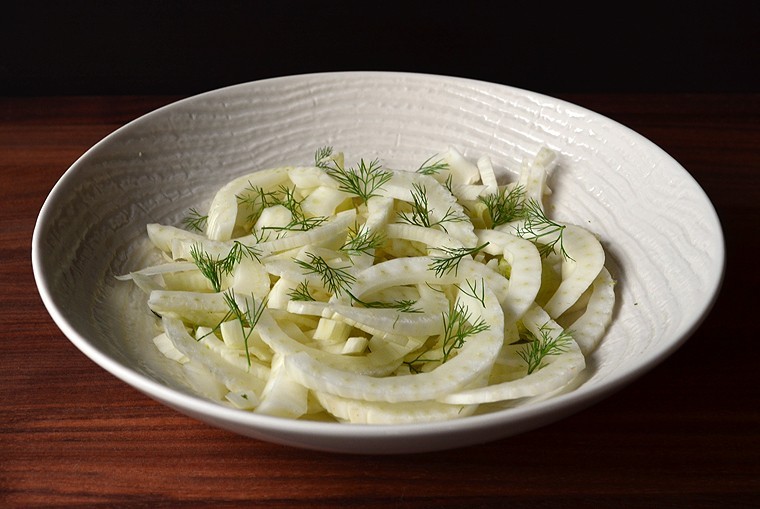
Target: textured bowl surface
[[662, 235]]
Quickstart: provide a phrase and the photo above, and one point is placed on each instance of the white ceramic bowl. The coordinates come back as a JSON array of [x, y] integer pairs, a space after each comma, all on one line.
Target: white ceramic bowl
[[661, 233]]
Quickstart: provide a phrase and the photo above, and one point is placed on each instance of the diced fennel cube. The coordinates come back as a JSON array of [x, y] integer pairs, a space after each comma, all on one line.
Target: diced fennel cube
[[487, 175], [276, 216], [355, 345], [279, 295], [251, 277], [232, 334], [332, 331]]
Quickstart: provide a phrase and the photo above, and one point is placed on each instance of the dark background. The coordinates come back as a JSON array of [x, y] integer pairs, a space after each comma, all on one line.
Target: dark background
[[168, 47]]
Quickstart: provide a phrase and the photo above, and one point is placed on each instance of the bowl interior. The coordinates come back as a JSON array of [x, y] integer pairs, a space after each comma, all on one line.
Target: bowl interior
[[661, 234]]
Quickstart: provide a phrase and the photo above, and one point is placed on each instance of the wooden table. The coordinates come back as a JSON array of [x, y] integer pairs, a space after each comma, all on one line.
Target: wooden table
[[685, 435]]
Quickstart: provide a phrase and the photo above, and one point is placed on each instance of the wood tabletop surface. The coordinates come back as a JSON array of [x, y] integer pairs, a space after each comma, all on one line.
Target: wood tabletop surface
[[687, 434]]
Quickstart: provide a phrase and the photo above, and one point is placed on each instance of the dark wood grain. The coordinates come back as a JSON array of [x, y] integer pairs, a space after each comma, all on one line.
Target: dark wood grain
[[685, 435]]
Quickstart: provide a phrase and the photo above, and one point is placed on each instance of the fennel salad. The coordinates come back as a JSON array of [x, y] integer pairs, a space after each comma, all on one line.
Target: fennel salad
[[361, 294]]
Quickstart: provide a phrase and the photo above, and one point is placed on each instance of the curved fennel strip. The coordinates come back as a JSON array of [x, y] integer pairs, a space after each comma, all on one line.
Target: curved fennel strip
[[180, 247], [580, 267], [525, 277], [379, 412], [373, 364], [223, 214], [589, 327], [472, 360], [404, 301], [558, 371]]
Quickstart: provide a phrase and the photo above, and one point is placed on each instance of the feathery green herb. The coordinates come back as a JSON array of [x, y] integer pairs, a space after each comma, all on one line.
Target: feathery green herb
[[214, 269], [301, 292], [210, 267], [361, 240], [402, 305], [537, 349], [472, 291], [195, 221], [421, 213], [299, 220], [321, 157], [505, 205], [258, 199], [363, 181], [430, 167], [247, 318], [336, 280], [457, 327], [451, 259], [537, 227]]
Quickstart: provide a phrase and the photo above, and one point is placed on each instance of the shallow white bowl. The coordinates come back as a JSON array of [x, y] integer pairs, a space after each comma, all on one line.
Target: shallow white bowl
[[661, 233]]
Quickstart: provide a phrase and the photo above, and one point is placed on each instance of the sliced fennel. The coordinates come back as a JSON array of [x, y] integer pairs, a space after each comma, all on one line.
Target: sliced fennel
[[378, 296]]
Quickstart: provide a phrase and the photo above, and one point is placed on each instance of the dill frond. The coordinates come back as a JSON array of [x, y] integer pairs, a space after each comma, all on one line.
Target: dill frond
[[457, 327], [420, 214], [504, 206], [247, 318], [401, 305], [362, 241], [430, 167], [336, 280], [442, 265], [538, 226], [195, 221], [363, 181], [537, 349], [210, 267], [472, 291], [214, 269], [321, 156], [301, 292]]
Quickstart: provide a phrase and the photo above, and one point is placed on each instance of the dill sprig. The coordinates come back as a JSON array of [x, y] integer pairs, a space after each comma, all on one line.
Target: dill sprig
[[430, 167], [472, 291], [237, 253], [215, 268], [363, 181], [210, 267], [420, 214], [538, 226], [301, 292], [299, 221], [321, 156], [258, 200], [335, 279], [458, 327], [401, 305], [299, 224], [247, 318], [451, 259], [362, 240], [504, 206], [195, 221], [537, 349]]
